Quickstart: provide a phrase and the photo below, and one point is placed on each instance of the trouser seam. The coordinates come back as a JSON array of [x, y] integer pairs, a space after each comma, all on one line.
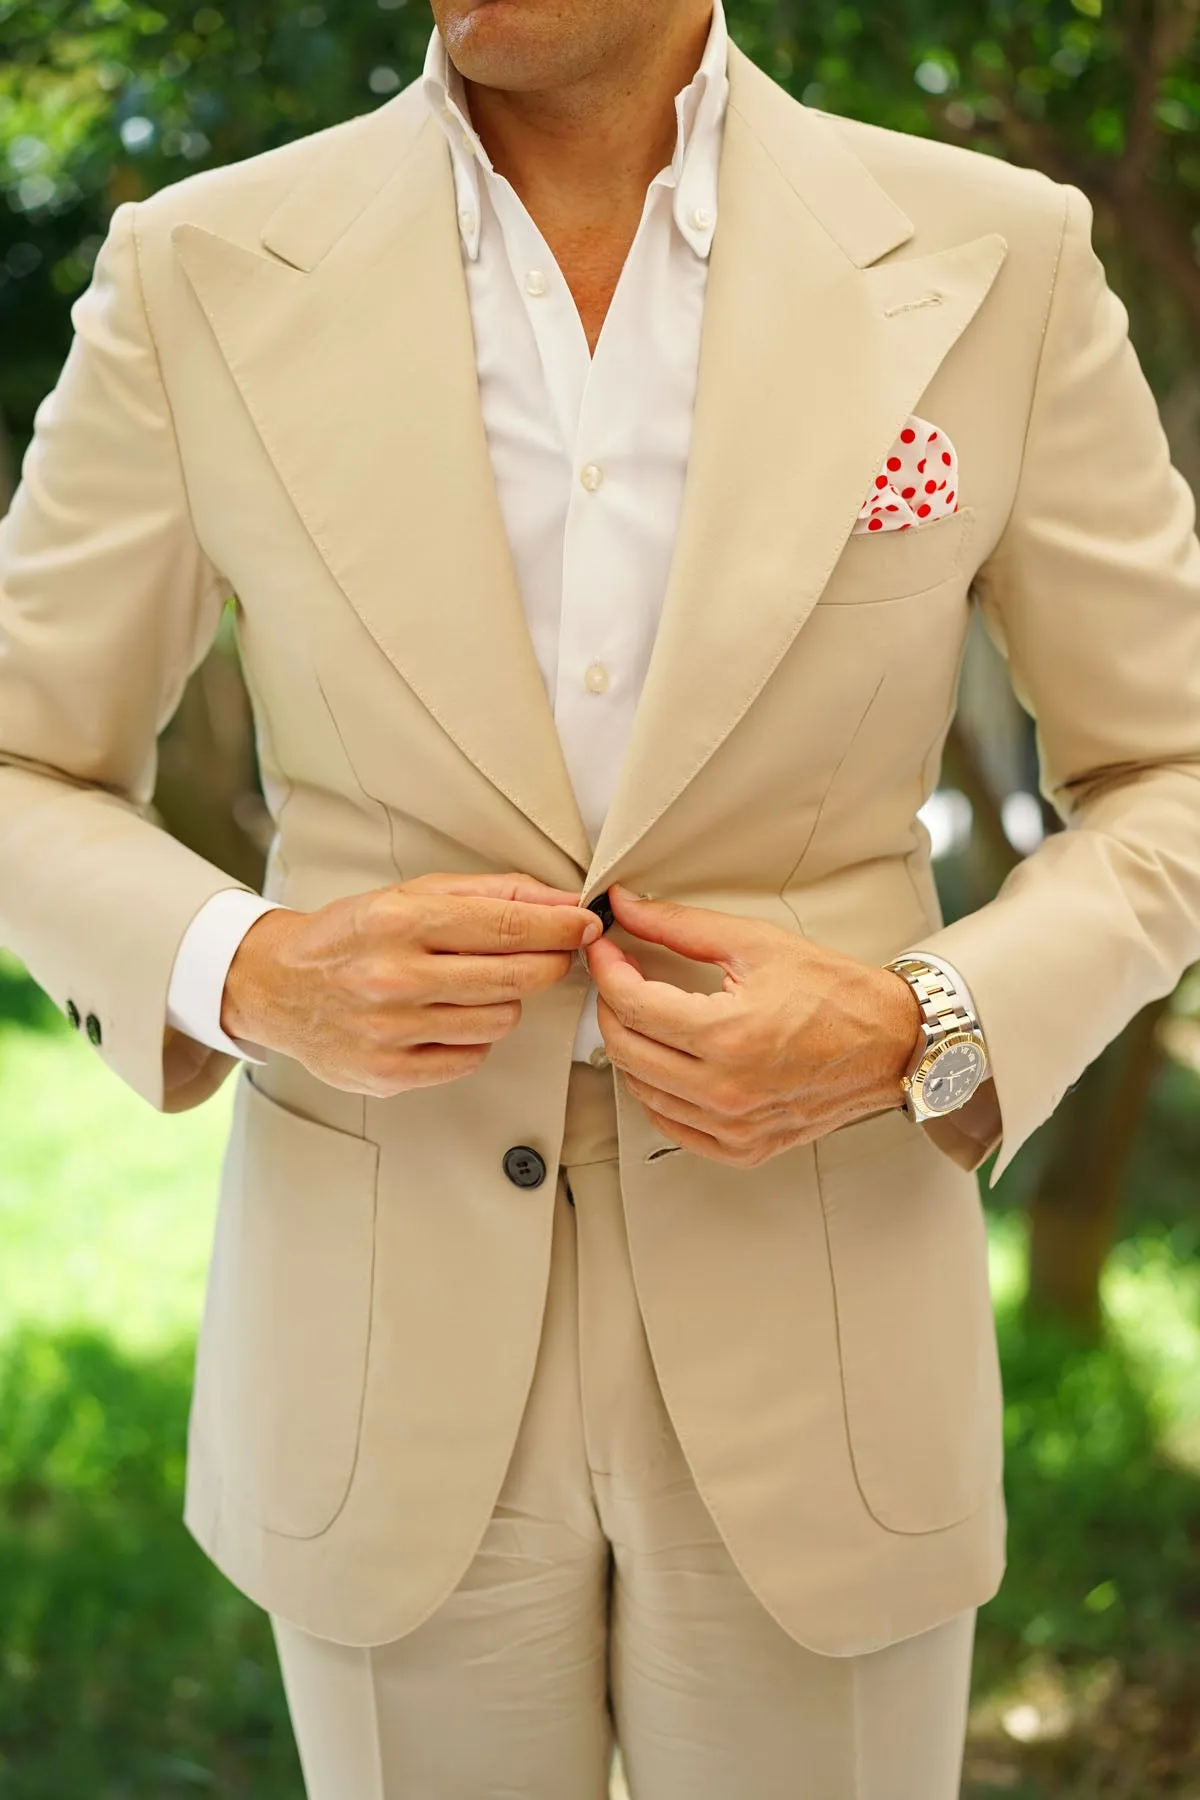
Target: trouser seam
[[856, 1725], [372, 1688]]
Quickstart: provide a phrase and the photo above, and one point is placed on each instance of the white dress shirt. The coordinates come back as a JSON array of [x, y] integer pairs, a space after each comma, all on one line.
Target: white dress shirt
[[589, 454]]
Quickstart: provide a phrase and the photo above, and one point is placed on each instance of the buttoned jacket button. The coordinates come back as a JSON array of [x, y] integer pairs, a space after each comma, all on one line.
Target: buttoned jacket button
[[602, 907], [73, 1013], [93, 1028], [524, 1167], [599, 1058]]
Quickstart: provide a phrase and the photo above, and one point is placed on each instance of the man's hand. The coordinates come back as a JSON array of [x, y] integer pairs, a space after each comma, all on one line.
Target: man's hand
[[406, 986], [800, 1041]]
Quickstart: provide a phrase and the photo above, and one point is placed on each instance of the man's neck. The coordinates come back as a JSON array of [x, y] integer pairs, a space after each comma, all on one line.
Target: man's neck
[[585, 155]]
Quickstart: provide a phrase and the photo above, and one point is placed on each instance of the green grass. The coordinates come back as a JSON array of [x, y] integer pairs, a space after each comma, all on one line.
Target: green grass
[[106, 1206], [131, 1670]]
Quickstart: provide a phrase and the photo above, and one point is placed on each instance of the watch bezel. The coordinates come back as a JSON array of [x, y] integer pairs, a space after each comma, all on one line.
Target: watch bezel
[[914, 1084]]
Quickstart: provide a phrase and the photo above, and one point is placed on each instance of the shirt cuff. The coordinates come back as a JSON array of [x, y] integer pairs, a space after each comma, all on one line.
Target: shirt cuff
[[207, 948]]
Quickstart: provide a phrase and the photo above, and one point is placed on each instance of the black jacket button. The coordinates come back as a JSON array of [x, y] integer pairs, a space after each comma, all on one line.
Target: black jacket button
[[602, 909], [73, 1013], [524, 1167], [92, 1026]]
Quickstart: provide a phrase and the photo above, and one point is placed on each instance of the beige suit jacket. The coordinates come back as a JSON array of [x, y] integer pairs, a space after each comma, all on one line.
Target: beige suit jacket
[[272, 394]]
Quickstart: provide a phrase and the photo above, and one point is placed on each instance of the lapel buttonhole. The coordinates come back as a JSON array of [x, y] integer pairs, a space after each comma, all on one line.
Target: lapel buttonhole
[[934, 299]]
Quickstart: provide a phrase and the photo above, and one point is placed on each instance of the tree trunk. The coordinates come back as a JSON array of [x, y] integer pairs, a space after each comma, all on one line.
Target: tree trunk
[[1074, 1207], [7, 475]]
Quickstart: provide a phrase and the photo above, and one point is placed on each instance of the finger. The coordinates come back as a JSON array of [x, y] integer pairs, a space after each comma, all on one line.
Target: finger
[[499, 926], [610, 947], [696, 1108], [702, 1143], [484, 885], [444, 1023], [612, 951], [661, 1065], [695, 931], [655, 1009], [466, 980], [670, 1106], [430, 1065]]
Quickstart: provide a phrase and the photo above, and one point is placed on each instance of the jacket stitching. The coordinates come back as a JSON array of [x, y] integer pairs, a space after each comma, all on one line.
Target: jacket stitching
[[218, 579], [1051, 291]]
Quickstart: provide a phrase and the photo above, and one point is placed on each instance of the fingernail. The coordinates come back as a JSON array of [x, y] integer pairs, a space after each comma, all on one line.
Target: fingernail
[[592, 930]]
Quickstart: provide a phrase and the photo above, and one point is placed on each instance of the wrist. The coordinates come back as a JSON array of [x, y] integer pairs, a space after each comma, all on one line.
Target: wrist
[[247, 1000], [900, 1030]]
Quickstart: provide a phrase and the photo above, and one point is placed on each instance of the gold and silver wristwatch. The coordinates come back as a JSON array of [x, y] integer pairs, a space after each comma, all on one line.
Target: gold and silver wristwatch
[[951, 1057]]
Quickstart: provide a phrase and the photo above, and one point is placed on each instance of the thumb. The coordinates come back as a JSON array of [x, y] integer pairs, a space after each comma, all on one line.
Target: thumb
[[694, 931]]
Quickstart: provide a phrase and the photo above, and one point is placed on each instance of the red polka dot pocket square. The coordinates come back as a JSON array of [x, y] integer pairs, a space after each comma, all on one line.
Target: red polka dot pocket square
[[917, 482]]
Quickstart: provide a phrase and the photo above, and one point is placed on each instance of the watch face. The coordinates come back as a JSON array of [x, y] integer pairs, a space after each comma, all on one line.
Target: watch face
[[952, 1076]]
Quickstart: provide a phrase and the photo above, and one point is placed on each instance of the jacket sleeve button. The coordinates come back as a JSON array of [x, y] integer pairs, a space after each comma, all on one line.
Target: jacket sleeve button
[[524, 1167], [92, 1026]]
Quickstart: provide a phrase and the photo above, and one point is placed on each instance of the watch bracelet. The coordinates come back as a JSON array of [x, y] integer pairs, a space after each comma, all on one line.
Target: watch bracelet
[[942, 1007]]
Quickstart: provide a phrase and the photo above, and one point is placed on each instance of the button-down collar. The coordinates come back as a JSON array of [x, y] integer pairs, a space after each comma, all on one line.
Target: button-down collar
[[692, 173]]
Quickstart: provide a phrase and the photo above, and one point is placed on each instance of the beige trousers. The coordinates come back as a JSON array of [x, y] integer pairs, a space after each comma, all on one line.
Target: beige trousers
[[602, 1604]]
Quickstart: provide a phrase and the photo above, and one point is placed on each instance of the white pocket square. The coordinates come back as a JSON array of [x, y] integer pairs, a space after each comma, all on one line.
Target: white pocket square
[[917, 482]]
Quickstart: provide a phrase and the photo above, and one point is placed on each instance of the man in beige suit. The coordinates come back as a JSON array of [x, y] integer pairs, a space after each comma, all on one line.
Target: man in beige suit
[[597, 1340]]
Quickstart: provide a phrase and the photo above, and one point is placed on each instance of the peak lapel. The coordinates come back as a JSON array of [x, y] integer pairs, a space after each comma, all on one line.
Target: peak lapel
[[353, 350], [810, 362]]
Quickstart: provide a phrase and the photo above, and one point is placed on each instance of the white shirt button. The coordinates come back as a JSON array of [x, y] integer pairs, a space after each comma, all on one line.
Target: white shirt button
[[598, 1058], [596, 678], [535, 282], [591, 476], [701, 218], [466, 219]]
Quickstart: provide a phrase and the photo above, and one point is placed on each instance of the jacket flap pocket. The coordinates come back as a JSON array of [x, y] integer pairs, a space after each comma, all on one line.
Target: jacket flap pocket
[[287, 1320], [916, 1339]]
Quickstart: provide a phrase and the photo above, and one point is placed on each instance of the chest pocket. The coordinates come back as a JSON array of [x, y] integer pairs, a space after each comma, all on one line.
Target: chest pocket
[[889, 565]]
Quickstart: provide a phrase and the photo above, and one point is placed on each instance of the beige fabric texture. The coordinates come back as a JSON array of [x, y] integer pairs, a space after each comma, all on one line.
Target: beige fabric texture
[[603, 1603], [272, 394]]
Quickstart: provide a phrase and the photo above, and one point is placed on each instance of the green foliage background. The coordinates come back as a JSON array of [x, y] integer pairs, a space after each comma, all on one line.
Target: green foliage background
[[102, 100]]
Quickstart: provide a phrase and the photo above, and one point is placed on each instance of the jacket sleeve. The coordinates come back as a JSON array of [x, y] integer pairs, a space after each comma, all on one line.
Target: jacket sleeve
[[1093, 596], [107, 604]]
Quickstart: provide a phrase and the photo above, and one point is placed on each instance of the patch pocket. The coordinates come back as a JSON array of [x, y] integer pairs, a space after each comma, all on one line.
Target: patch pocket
[[888, 565], [920, 1372], [288, 1317]]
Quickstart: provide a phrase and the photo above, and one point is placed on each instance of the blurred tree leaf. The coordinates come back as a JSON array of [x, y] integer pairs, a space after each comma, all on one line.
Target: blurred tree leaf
[[102, 100]]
